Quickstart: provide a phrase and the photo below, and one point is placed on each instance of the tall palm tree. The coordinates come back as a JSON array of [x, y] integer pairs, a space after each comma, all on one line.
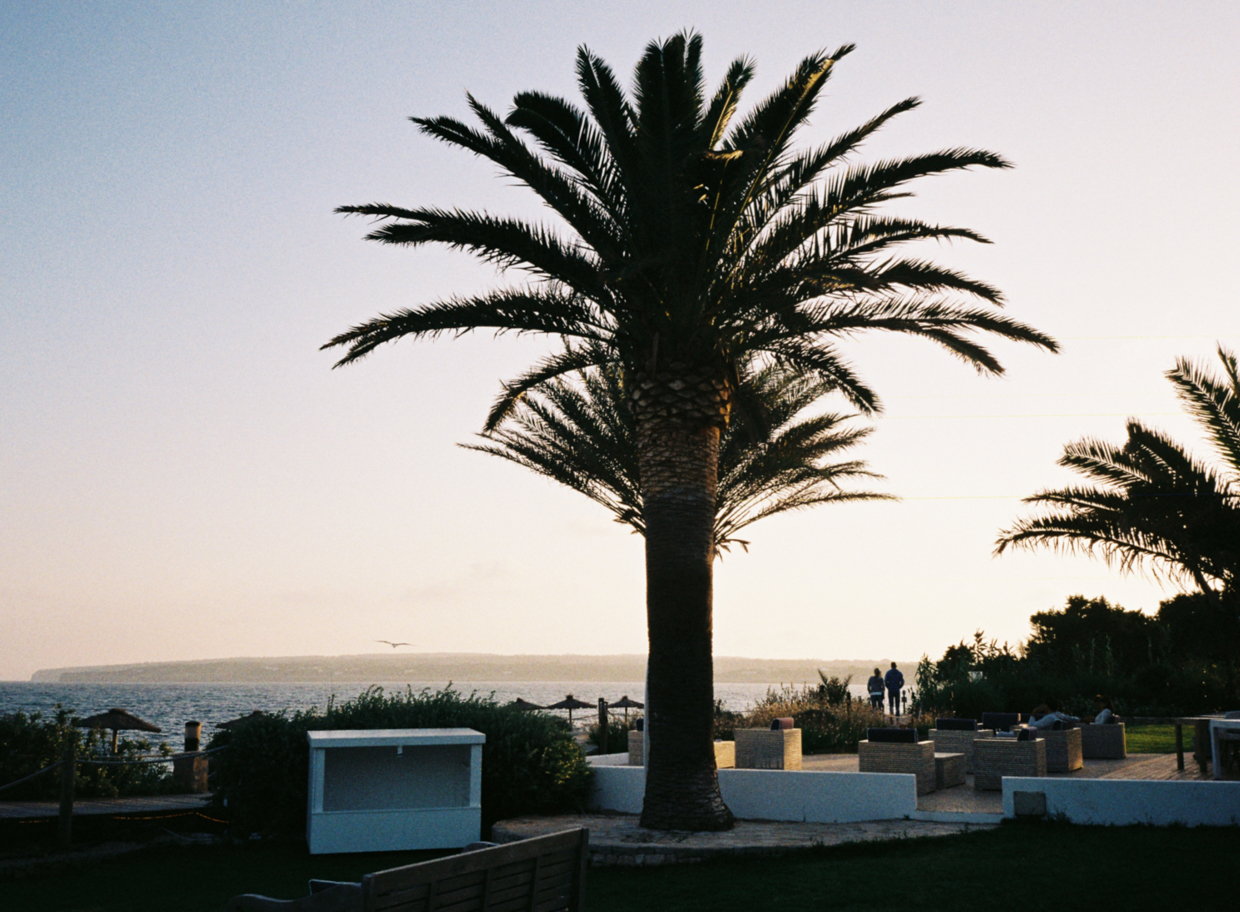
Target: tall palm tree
[[583, 436], [1153, 504], [690, 241]]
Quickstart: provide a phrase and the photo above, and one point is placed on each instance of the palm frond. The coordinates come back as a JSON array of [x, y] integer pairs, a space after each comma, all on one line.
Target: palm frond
[[1214, 403], [547, 309]]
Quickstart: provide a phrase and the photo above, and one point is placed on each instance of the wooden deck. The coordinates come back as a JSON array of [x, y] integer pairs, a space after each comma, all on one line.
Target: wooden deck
[[85, 807]]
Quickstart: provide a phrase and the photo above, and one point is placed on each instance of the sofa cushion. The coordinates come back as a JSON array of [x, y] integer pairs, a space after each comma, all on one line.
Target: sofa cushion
[[963, 725], [1000, 721], [892, 735]]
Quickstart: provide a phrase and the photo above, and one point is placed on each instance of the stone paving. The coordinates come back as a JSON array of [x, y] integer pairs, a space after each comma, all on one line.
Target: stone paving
[[616, 839], [964, 799]]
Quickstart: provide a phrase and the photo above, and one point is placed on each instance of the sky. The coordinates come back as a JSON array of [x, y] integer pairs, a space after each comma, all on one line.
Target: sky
[[183, 475]]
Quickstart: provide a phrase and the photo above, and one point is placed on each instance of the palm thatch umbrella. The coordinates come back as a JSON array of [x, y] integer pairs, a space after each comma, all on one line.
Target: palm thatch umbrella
[[570, 703], [233, 723], [626, 704], [117, 719], [524, 705]]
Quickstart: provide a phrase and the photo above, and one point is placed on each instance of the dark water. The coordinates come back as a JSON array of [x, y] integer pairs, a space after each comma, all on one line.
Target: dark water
[[170, 706]]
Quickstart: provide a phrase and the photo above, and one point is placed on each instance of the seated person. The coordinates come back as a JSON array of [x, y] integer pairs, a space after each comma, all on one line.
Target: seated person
[[1047, 714], [1105, 712]]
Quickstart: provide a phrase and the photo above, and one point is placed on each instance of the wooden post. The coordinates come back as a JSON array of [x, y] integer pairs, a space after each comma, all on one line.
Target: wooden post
[[602, 725], [1202, 751], [1179, 745], [193, 736], [67, 772]]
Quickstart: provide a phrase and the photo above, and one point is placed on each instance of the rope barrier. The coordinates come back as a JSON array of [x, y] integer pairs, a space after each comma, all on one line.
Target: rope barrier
[[167, 759], [32, 775], [137, 762]]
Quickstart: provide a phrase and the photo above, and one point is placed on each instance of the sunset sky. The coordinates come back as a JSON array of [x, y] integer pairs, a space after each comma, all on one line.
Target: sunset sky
[[183, 475]]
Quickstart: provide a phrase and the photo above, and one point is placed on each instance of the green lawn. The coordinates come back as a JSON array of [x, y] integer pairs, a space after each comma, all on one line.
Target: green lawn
[[1014, 866], [1156, 739]]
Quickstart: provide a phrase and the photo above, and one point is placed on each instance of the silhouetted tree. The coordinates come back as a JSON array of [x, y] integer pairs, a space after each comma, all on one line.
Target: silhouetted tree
[[691, 243]]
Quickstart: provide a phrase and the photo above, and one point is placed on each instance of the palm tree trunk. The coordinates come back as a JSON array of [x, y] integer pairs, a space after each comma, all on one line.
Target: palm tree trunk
[[679, 465]]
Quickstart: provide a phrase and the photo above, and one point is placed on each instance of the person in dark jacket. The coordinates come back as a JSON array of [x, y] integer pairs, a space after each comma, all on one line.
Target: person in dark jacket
[[874, 687], [894, 681]]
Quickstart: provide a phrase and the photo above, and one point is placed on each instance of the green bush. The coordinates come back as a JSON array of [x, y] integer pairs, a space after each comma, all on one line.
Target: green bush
[[617, 735], [826, 727], [530, 763], [30, 742]]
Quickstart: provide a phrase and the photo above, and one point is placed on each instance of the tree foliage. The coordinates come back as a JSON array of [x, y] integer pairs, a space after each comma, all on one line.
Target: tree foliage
[[1152, 504], [1183, 659], [777, 458]]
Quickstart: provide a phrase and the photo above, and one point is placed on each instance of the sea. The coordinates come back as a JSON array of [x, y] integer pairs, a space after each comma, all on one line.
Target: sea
[[170, 706]]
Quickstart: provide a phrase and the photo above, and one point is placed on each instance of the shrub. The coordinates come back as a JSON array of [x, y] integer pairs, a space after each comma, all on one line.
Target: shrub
[[530, 763], [825, 727], [30, 742], [617, 735]]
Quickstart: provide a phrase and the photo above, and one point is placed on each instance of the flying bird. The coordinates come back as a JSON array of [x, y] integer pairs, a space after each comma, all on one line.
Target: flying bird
[[393, 645]]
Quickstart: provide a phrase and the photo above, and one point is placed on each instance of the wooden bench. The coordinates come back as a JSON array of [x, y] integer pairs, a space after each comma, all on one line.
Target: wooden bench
[[543, 874]]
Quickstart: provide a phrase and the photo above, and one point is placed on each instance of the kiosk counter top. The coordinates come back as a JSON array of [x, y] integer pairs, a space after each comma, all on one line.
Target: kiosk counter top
[[394, 737]]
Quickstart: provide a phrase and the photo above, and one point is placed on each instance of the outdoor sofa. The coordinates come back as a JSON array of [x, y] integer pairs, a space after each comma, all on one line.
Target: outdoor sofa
[[897, 750], [1104, 742]]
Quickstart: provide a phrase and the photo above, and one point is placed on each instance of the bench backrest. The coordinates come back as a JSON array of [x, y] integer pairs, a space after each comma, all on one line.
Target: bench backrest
[[1000, 721], [542, 874]]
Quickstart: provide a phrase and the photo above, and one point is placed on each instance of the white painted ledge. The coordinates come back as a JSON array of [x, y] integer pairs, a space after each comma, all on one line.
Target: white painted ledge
[[1120, 802], [797, 796]]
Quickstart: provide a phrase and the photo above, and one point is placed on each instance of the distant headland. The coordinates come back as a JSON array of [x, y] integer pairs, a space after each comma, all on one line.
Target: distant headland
[[447, 667]]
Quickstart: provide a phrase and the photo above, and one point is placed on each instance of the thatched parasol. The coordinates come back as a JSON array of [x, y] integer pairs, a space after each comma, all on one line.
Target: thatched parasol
[[524, 705], [233, 723], [570, 703], [626, 704], [117, 719]]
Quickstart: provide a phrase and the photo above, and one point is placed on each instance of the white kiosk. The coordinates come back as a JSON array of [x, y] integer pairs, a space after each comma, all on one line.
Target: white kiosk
[[392, 789]]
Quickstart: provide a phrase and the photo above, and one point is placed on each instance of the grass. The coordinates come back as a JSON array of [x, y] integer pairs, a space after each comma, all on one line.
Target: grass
[[1156, 739], [1132, 868]]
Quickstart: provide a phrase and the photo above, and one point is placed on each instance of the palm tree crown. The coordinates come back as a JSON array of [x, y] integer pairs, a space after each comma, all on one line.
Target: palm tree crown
[[1154, 505], [693, 241]]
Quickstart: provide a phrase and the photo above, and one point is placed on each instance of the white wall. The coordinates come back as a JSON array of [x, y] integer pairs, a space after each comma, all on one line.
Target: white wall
[[810, 797], [608, 759], [1127, 801]]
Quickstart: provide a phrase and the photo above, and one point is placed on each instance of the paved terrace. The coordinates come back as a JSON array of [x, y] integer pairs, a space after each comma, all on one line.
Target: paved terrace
[[616, 839], [963, 799]]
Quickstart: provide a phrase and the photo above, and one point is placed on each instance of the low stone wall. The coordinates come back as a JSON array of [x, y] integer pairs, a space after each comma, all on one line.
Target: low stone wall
[[608, 759], [1120, 802], [809, 797]]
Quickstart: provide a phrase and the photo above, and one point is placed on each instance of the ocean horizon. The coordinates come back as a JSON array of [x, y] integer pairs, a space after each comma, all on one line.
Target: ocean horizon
[[170, 706]]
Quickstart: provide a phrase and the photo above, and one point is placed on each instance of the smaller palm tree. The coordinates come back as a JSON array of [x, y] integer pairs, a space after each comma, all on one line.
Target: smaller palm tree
[[1154, 505], [774, 458]]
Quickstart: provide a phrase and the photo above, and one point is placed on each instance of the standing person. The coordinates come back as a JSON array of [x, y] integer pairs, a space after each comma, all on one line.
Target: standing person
[[874, 687], [894, 681]]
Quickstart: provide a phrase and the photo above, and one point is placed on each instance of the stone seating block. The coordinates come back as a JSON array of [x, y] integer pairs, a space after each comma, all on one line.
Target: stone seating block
[[958, 742], [948, 770], [725, 751], [637, 748], [1063, 750], [1104, 742], [994, 758], [760, 748], [918, 759]]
